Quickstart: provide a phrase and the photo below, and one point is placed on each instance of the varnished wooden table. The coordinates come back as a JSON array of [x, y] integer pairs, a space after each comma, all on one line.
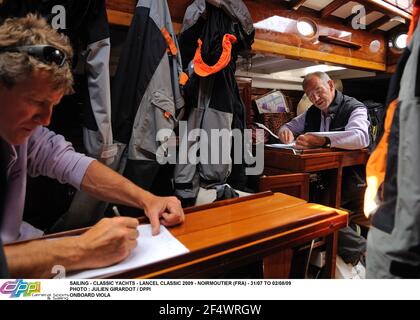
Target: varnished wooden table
[[281, 161], [264, 228], [232, 233]]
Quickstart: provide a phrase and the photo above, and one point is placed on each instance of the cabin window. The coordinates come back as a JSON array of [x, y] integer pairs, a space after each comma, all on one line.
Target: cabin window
[[400, 41]]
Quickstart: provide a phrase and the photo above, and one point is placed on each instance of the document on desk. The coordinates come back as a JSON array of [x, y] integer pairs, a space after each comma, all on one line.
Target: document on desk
[[327, 134], [290, 146], [149, 249]]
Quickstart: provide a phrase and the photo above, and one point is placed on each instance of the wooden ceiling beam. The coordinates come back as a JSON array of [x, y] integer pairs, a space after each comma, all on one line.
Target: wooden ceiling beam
[[377, 23], [398, 28], [328, 10], [348, 21], [387, 8], [296, 4]]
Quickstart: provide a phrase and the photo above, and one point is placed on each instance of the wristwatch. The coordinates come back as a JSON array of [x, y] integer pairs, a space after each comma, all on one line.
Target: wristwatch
[[327, 143]]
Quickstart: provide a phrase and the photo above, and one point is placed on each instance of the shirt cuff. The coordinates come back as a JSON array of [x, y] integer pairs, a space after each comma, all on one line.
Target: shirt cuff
[[78, 175], [333, 142]]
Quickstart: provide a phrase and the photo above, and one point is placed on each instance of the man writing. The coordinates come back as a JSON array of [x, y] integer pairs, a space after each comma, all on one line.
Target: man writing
[[35, 73], [334, 111], [331, 111]]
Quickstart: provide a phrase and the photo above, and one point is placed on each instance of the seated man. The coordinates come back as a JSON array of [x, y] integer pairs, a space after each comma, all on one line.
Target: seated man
[[334, 111], [35, 73], [331, 111]]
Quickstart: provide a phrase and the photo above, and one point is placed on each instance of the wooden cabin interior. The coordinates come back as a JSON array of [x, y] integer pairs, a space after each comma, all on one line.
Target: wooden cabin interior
[[358, 43]]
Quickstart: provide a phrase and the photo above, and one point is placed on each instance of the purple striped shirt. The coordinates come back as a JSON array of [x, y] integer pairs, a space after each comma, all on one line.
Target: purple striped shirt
[[44, 153]]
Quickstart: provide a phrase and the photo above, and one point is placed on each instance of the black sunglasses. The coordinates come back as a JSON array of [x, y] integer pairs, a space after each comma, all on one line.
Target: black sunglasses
[[45, 53]]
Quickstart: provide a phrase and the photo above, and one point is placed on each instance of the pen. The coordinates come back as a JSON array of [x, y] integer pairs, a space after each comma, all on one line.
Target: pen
[[115, 209]]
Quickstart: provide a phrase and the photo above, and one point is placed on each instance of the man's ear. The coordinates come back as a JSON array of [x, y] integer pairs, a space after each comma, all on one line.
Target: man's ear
[[331, 85]]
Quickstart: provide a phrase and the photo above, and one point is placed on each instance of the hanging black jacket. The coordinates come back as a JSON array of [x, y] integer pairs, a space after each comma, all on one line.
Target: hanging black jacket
[[146, 95], [212, 35]]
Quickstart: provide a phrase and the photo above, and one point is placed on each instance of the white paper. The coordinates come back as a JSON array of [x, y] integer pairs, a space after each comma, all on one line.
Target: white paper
[[283, 145], [261, 126], [149, 249], [290, 146], [326, 133]]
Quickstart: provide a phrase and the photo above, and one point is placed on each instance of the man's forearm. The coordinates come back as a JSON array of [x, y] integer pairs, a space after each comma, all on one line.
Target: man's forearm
[[36, 259], [356, 133], [103, 183], [108, 242], [350, 140], [107, 185]]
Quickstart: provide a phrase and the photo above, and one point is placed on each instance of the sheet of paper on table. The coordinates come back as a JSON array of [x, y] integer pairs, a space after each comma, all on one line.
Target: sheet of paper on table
[[327, 134], [289, 146], [149, 249]]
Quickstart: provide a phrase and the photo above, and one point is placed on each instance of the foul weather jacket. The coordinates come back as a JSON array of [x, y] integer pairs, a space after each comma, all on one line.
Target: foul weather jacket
[[146, 95], [212, 35], [393, 196]]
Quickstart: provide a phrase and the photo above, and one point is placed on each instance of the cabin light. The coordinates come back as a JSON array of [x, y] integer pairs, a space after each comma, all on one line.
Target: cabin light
[[375, 46], [400, 41], [322, 68], [306, 28]]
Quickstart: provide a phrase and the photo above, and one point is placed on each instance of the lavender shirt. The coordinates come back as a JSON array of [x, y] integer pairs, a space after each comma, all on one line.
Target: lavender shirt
[[44, 153], [354, 136]]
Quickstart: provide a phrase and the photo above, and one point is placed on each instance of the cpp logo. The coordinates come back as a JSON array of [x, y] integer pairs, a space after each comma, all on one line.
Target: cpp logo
[[20, 287]]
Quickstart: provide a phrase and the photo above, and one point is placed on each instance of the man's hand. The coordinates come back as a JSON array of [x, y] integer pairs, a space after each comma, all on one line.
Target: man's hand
[[108, 242], [165, 210], [308, 141], [286, 135], [106, 184]]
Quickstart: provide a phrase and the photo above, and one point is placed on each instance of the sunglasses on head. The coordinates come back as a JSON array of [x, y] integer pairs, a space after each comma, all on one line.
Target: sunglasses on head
[[44, 53]]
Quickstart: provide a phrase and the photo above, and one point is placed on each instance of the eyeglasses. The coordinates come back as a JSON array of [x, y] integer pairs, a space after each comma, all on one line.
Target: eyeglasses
[[315, 93], [45, 53]]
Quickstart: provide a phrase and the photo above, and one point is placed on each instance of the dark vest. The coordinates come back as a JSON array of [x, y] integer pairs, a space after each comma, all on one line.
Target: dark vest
[[339, 111], [353, 182]]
